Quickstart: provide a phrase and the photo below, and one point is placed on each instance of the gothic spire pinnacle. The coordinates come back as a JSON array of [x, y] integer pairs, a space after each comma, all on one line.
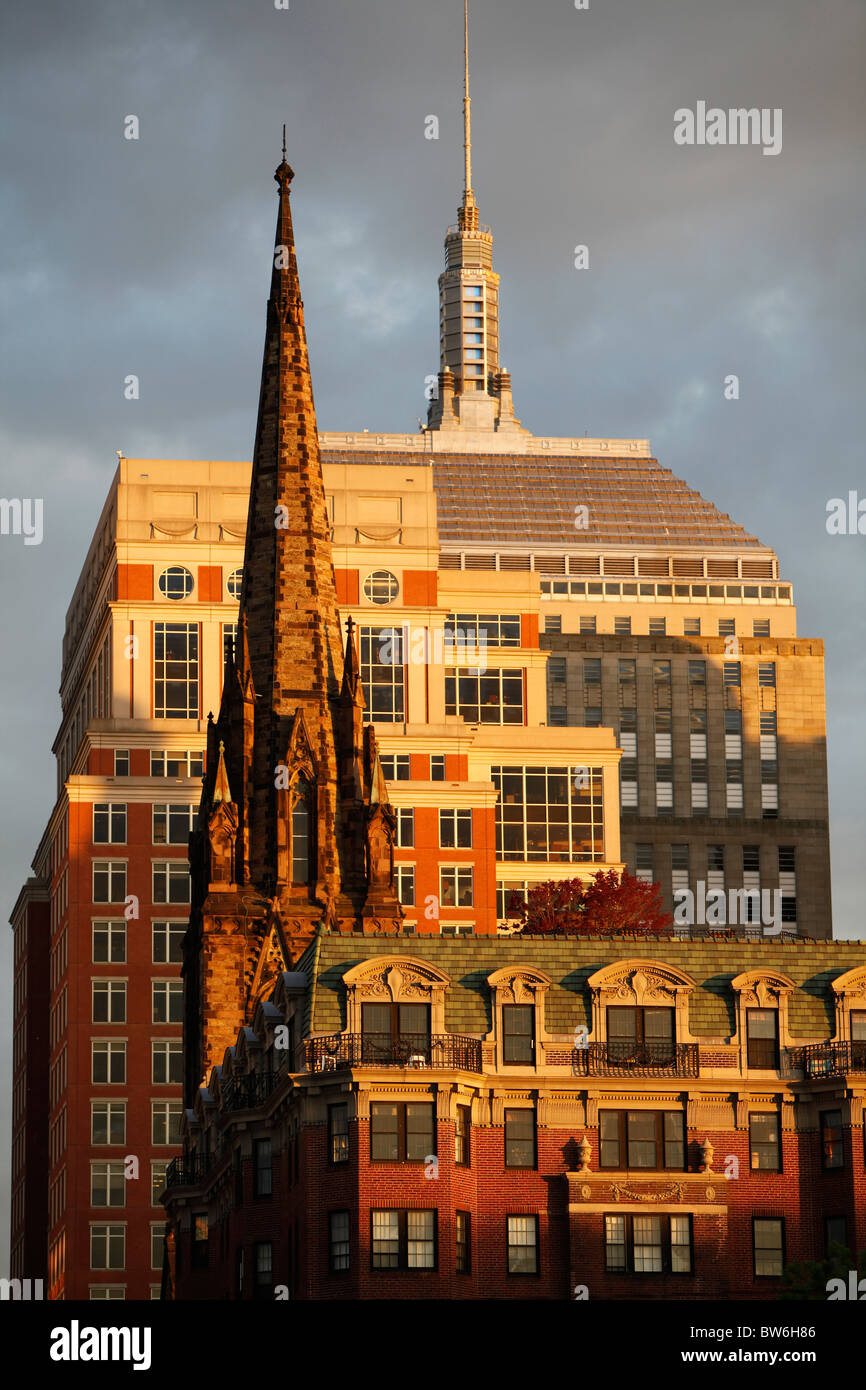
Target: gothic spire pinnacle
[[222, 791]]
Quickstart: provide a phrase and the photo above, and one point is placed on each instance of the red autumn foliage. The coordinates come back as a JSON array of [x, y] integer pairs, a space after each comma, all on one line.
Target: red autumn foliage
[[609, 905]]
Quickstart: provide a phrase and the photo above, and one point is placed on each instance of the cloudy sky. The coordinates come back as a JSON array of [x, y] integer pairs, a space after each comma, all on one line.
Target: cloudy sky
[[152, 257]]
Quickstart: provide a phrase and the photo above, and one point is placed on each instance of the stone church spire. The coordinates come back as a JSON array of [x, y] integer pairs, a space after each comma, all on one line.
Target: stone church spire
[[287, 840], [474, 392]]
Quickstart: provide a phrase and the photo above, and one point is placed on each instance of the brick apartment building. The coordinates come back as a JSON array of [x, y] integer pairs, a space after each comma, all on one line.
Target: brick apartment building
[[431, 1130], [548, 700]]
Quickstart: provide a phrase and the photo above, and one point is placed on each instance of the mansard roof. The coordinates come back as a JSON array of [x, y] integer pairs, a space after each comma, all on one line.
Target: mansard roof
[[811, 966]]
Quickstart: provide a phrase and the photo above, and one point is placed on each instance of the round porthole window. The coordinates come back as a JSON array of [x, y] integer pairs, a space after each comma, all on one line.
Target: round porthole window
[[381, 587], [235, 582], [175, 582]]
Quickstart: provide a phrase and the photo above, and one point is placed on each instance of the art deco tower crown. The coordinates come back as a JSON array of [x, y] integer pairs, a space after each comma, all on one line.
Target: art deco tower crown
[[474, 393]]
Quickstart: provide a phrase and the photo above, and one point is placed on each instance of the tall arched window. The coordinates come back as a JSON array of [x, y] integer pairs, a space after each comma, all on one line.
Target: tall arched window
[[301, 832]]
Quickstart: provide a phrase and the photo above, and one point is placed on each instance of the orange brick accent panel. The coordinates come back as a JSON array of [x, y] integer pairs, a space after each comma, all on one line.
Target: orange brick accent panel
[[529, 629], [347, 585], [135, 581], [210, 583], [419, 588]]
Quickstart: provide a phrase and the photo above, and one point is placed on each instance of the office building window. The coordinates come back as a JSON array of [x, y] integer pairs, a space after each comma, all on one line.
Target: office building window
[[493, 698], [588, 624], [437, 767], [109, 881], [165, 1117], [383, 674], [405, 827], [173, 824], [167, 1001], [691, 627], [107, 1184], [767, 674], [167, 942], [108, 1122], [456, 886], [107, 1247], [455, 829], [109, 1001], [643, 863], [108, 1063], [175, 670], [657, 627], [395, 767], [731, 673], [788, 882], [121, 762], [549, 813], [679, 868], [171, 882], [404, 881], [109, 823], [166, 1061], [109, 943], [471, 630]]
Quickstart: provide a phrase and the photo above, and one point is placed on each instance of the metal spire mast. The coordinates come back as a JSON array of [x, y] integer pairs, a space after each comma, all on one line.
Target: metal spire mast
[[467, 104]]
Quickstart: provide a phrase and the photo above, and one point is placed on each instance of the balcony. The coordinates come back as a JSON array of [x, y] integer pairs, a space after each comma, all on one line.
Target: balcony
[[829, 1059], [188, 1171], [247, 1092], [446, 1051], [636, 1059]]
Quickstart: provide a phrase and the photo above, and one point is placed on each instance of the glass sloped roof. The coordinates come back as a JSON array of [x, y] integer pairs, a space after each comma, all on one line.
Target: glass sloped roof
[[520, 498]]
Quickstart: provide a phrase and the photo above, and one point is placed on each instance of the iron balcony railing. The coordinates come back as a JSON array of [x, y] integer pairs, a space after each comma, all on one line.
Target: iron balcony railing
[[188, 1171], [829, 1059], [445, 1050], [246, 1092], [636, 1059]]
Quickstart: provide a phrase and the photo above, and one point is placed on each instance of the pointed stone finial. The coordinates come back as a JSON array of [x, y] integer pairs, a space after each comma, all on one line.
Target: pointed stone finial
[[222, 790], [352, 685]]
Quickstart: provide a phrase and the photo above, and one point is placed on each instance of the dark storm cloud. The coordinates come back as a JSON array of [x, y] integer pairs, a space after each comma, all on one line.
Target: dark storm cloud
[[151, 257]]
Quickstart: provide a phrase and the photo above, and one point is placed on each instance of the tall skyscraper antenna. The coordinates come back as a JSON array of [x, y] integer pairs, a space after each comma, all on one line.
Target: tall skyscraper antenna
[[467, 105]]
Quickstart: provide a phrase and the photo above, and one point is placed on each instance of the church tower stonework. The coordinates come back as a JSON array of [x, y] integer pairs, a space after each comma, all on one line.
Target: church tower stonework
[[295, 833]]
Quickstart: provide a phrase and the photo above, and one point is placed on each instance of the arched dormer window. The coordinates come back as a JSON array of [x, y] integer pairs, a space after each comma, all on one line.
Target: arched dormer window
[[302, 835]]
